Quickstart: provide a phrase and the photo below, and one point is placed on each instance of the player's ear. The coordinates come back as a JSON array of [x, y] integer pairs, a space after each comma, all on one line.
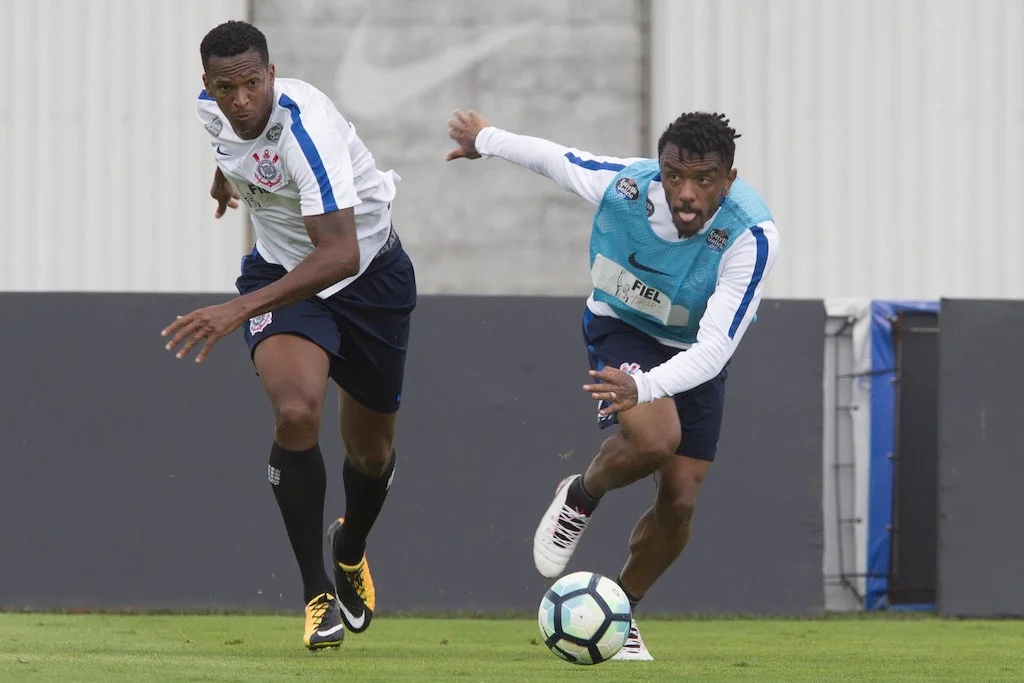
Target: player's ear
[[270, 73], [206, 83], [728, 181]]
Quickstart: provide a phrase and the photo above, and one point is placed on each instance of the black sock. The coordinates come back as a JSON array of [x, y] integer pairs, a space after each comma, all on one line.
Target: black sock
[[299, 482], [578, 498], [364, 498], [633, 602]]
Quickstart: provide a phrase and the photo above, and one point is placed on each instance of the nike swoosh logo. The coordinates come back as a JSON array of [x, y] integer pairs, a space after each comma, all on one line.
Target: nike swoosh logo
[[370, 90], [330, 631], [220, 151], [351, 619], [636, 264]]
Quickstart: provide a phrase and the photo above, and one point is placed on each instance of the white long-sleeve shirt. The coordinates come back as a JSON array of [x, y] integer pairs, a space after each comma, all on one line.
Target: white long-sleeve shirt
[[741, 271]]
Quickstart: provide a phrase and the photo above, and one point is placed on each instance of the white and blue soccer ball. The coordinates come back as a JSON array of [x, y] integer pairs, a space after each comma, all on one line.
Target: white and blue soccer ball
[[584, 618]]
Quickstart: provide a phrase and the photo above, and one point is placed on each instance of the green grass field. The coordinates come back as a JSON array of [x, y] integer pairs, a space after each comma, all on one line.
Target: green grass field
[[107, 648]]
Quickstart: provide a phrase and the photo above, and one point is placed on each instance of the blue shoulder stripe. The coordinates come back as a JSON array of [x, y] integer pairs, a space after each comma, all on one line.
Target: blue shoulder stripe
[[593, 164], [311, 153], [755, 279]]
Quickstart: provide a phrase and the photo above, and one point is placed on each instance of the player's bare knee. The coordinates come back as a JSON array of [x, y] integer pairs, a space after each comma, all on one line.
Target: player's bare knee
[[370, 456], [676, 510], [677, 498], [297, 419]]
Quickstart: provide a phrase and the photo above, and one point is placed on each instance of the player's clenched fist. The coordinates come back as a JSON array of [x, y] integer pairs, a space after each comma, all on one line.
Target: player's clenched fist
[[463, 127]]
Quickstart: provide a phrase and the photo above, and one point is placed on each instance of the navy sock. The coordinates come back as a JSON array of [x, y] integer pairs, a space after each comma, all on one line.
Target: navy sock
[[364, 498], [578, 498], [633, 602], [299, 482]]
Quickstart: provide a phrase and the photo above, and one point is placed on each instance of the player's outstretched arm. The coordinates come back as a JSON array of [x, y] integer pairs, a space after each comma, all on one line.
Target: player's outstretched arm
[[730, 310], [579, 172]]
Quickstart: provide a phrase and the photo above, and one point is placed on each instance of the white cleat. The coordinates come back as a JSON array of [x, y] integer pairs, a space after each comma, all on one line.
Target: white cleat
[[634, 650], [558, 533]]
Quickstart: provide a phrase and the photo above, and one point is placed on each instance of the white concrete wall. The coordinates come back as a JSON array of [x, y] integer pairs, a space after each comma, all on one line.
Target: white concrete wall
[[107, 170], [887, 135]]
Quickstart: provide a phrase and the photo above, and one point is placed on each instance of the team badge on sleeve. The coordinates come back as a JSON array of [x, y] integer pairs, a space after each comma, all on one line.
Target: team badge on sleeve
[[267, 172], [627, 187], [215, 126]]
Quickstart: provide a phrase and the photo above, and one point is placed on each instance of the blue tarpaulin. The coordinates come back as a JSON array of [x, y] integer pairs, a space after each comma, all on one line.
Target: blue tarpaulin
[[883, 429]]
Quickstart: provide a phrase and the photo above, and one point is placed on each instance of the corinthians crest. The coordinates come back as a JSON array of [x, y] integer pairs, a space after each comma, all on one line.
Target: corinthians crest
[[267, 172]]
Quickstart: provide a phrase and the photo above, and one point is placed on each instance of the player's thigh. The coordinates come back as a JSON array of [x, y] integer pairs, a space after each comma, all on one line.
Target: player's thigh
[[370, 381], [291, 347], [652, 429], [294, 373], [374, 315], [368, 434], [700, 412]]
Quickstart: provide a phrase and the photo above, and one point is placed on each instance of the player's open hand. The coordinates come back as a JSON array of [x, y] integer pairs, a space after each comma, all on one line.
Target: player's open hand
[[617, 387], [224, 193], [463, 127], [205, 324]]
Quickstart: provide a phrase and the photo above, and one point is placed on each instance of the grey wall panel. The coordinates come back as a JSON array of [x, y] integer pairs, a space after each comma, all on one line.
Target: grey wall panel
[[130, 479], [981, 558]]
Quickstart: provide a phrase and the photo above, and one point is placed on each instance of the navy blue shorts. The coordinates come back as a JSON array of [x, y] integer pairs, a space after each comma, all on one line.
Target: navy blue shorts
[[364, 328], [612, 342]]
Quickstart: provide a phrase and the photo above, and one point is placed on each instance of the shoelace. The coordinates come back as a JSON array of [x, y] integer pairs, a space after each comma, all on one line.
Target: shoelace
[[569, 526], [318, 611], [356, 580], [633, 641]]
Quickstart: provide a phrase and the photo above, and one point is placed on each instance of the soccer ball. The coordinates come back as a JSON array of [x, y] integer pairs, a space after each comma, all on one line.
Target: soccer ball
[[584, 618]]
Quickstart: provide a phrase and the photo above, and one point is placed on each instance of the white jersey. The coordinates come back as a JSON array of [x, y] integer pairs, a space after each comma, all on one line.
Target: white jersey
[[741, 273], [308, 161]]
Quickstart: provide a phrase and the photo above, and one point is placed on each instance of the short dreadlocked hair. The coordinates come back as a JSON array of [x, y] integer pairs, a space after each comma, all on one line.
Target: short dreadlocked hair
[[233, 38], [699, 134]]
